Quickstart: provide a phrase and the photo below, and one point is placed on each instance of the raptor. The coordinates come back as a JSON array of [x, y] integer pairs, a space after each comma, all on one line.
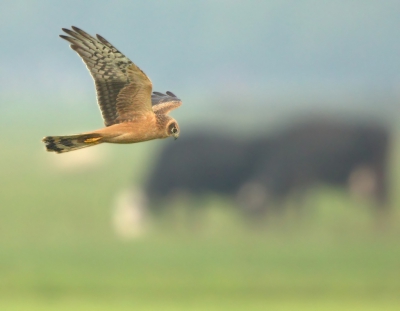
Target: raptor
[[131, 112]]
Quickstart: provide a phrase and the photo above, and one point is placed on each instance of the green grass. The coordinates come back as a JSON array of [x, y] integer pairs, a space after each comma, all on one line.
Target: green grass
[[58, 250], [194, 273]]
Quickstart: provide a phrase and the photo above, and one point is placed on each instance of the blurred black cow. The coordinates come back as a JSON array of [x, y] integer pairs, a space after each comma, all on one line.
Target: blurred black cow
[[263, 170]]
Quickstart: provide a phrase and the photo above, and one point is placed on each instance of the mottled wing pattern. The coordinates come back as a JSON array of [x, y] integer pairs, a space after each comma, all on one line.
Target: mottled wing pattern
[[107, 65], [164, 103], [134, 100]]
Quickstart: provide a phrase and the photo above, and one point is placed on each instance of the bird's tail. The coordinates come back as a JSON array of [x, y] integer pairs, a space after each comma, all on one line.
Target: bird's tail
[[60, 144]]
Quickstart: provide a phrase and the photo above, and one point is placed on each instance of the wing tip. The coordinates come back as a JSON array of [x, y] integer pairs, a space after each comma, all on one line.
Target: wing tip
[[170, 94], [103, 40], [71, 40], [158, 94], [71, 32], [167, 93], [76, 29]]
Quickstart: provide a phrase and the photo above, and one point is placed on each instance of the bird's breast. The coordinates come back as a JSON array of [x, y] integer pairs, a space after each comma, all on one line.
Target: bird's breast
[[133, 132]]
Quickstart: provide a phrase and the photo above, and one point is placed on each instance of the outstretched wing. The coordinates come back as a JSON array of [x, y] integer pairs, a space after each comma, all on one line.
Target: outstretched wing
[[118, 81], [164, 103]]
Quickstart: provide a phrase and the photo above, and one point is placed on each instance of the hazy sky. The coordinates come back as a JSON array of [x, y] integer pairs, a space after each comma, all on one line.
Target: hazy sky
[[267, 49]]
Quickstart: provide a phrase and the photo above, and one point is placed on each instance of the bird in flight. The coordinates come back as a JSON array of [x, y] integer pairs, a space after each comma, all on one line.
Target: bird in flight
[[130, 111]]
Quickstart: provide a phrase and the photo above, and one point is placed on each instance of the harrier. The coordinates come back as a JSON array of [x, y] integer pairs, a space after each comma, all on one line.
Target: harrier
[[130, 111]]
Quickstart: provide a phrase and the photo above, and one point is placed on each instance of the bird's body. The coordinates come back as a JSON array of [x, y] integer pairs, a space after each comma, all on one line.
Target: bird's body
[[141, 129], [130, 111]]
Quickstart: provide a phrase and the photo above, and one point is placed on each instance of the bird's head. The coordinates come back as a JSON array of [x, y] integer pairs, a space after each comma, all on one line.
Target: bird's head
[[173, 129]]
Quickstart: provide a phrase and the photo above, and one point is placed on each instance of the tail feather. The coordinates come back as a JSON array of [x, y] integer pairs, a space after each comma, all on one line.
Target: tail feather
[[60, 144]]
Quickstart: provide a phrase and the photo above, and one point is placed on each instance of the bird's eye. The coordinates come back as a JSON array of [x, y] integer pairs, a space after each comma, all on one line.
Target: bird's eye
[[174, 130]]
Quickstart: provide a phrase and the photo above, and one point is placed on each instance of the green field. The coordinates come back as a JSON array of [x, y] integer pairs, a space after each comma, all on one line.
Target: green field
[[58, 250]]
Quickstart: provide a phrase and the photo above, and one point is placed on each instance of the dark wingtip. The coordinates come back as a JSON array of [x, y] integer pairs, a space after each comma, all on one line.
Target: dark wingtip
[[171, 94], [103, 40], [68, 31], [76, 28]]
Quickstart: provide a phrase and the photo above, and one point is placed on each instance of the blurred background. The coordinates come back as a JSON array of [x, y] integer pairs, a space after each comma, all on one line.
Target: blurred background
[[280, 193]]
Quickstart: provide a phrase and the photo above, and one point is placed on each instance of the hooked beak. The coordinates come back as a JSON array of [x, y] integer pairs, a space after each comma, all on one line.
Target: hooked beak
[[176, 136]]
